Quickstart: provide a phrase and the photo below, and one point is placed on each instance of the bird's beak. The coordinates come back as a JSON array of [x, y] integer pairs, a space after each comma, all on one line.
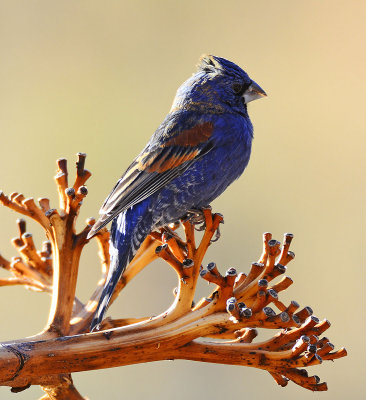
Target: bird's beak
[[253, 92]]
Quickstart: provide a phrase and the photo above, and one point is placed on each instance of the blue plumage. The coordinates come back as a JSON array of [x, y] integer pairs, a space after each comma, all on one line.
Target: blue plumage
[[201, 147]]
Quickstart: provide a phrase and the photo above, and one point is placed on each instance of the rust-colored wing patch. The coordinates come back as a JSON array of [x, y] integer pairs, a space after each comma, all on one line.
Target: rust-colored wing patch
[[192, 137], [179, 149], [173, 161]]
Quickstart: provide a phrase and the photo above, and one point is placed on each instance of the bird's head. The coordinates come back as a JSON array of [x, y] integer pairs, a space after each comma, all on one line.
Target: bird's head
[[218, 82]]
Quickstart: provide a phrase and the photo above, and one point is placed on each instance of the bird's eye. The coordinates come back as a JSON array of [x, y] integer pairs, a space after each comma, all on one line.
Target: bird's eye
[[237, 87]]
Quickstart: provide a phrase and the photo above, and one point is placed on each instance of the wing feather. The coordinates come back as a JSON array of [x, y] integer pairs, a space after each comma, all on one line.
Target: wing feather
[[152, 170]]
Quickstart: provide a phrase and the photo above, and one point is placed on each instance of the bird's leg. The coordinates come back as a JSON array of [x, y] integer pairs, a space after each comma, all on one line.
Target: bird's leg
[[167, 232], [197, 217], [167, 235]]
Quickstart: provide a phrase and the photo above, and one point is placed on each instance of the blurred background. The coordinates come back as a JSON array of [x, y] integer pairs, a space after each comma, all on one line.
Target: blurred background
[[99, 77]]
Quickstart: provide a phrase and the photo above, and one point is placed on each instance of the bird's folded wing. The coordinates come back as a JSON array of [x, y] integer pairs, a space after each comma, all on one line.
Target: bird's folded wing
[[155, 168]]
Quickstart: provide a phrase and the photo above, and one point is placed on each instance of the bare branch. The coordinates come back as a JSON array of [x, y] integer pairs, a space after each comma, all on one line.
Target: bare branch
[[239, 305]]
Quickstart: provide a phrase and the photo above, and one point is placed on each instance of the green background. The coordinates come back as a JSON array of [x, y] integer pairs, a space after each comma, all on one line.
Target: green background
[[99, 77]]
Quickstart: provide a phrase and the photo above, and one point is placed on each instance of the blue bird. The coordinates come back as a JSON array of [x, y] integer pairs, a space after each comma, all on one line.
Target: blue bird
[[200, 148]]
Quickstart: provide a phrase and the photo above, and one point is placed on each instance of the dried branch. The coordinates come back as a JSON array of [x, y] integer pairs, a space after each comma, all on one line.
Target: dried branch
[[233, 312]]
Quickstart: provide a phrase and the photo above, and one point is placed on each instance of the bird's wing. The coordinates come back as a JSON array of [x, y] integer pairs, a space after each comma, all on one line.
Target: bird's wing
[[154, 168]]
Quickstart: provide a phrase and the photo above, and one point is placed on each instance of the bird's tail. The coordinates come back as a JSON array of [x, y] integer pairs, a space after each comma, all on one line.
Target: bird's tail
[[127, 234], [116, 270]]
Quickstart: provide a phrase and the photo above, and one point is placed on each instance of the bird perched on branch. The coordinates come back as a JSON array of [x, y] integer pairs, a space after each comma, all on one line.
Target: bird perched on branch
[[200, 148]]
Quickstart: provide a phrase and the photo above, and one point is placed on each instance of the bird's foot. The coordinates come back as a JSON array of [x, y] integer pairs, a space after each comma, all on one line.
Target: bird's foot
[[197, 218], [217, 235], [167, 232]]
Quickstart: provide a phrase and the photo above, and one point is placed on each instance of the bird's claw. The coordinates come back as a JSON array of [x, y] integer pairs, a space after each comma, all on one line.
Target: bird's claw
[[197, 218], [167, 232], [217, 235]]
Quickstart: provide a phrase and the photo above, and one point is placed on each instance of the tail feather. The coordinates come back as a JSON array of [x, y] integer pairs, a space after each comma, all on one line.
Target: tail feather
[[112, 280], [128, 231]]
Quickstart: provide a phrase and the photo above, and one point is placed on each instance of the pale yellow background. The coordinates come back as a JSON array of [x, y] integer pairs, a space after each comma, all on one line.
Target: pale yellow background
[[99, 77]]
